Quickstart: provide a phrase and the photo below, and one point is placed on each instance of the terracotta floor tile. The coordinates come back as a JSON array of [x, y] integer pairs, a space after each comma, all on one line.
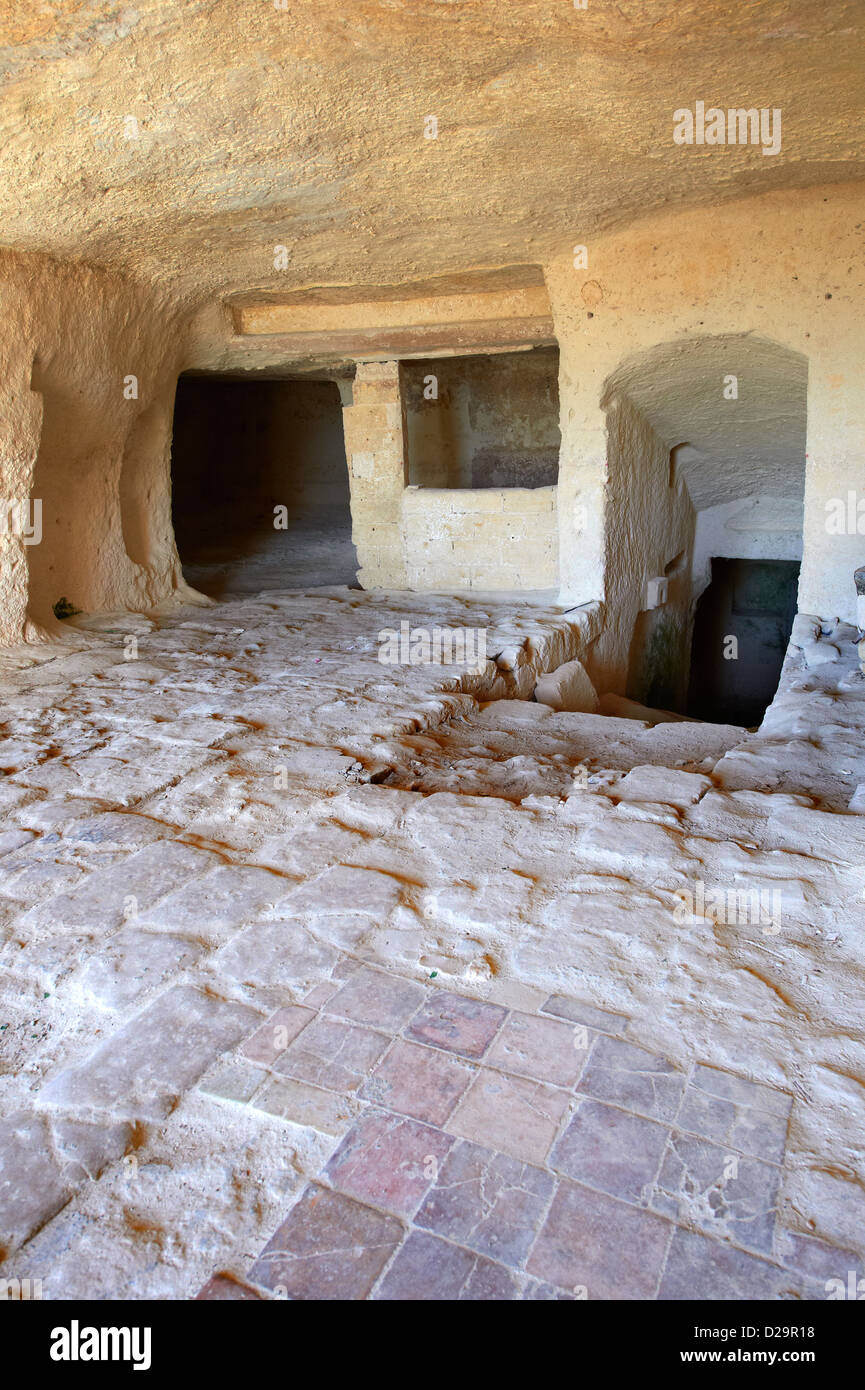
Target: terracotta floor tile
[[223, 1289], [729, 1196], [389, 1161], [333, 1054], [592, 1242], [487, 1201], [418, 1081], [626, 1075], [611, 1149], [511, 1114], [378, 1000], [428, 1269], [328, 1247], [303, 1104], [541, 1048], [274, 1036], [699, 1268], [735, 1126], [457, 1024], [586, 1014], [728, 1086]]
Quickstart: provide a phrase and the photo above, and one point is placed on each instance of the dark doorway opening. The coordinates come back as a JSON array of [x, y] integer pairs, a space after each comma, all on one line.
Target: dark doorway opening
[[260, 491], [741, 631]]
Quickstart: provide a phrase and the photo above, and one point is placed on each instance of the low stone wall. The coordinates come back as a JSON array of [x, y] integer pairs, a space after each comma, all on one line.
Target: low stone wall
[[489, 538]]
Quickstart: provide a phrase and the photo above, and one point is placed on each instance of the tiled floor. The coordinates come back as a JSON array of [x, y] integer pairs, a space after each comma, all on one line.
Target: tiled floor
[[486, 1153]]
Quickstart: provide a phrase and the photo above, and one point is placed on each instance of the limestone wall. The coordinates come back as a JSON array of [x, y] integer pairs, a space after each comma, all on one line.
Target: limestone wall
[[490, 421], [75, 439], [374, 426], [787, 266], [431, 538], [487, 538], [648, 534]]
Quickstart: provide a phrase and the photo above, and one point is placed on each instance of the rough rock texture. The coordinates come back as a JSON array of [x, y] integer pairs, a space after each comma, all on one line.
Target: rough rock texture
[[568, 688], [197, 840], [215, 815], [339, 122]]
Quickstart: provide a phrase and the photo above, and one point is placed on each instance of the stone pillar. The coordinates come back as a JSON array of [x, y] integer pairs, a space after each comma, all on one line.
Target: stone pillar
[[376, 452]]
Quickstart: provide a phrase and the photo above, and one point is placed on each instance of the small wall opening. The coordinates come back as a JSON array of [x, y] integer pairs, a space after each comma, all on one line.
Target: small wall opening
[[484, 422], [741, 631], [260, 490]]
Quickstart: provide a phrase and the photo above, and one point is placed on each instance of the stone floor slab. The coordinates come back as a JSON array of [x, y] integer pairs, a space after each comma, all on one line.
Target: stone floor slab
[[599, 1246], [541, 1049], [376, 999], [141, 1069], [511, 1114], [281, 955], [270, 1040], [389, 1161], [740, 1127], [417, 1081], [699, 1268], [627, 1075], [457, 1024], [333, 1054], [223, 1289], [561, 1006], [730, 1196], [429, 1269], [487, 1201], [611, 1149], [32, 1186], [329, 1247]]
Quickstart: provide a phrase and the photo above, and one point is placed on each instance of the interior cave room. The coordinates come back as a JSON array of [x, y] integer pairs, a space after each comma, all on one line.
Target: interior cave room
[[432, 664]]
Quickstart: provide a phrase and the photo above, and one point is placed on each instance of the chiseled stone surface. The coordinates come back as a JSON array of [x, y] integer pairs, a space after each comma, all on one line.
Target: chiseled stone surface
[[157, 978], [141, 1071], [32, 1187]]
